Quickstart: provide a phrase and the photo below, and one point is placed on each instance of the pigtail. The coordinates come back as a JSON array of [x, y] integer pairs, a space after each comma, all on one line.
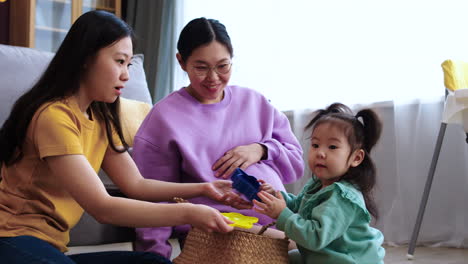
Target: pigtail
[[372, 128], [365, 175]]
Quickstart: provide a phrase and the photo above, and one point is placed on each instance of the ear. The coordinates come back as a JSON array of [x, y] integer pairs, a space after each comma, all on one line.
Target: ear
[[181, 62], [357, 157]]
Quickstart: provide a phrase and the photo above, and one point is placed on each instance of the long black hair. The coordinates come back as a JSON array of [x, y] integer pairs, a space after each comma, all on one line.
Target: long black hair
[[91, 32], [362, 131], [202, 31]]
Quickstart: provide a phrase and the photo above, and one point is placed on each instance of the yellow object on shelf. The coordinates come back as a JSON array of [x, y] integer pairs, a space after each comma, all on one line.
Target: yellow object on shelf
[[241, 220]]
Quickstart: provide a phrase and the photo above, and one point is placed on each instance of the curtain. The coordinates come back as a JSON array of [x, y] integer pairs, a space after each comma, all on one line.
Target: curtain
[[156, 25], [359, 51], [403, 156]]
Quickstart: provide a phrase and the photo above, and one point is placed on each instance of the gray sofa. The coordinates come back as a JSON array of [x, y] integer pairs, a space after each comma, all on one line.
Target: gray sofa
[[19, 69]]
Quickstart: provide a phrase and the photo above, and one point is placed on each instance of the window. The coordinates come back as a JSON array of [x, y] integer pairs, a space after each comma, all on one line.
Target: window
[[308, 53]]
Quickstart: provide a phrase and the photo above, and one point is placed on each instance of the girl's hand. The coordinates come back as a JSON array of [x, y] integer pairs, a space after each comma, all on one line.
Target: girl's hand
[[238, 157], [266, 187], [221, 190], [271, 205], [209, 219]]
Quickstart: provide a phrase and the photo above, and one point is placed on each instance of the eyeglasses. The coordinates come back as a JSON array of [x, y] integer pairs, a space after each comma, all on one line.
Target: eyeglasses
[[203, 70]]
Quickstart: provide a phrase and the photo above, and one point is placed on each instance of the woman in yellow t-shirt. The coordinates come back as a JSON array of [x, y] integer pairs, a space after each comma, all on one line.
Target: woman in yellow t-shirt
[[60, 133]]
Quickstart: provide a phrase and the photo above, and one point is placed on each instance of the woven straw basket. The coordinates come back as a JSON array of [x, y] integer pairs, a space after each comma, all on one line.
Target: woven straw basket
[[236, 247]]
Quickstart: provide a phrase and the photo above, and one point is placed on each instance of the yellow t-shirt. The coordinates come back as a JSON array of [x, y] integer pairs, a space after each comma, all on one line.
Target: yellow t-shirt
[[31, 201]]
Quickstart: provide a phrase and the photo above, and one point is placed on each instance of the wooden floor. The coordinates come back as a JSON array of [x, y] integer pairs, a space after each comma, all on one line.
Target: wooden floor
[[425, 255]]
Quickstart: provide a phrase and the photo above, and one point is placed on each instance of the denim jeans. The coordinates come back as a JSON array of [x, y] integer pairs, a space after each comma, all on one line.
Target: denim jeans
[[29, 250]]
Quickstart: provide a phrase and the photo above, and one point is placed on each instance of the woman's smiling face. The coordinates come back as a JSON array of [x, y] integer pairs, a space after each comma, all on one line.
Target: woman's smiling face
[[212, 58]]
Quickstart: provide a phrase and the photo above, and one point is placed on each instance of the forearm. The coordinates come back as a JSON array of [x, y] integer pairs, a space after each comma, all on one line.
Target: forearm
[[124, 172], [306, 233], [82, 183], [134, 213], [157, 191]]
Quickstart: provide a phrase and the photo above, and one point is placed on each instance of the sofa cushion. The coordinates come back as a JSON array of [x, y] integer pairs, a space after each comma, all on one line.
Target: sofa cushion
[[132, 113], [137, 88], [21, 67]]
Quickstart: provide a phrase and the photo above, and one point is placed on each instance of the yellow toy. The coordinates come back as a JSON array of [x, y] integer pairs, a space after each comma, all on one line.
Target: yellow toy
[[241, 220]]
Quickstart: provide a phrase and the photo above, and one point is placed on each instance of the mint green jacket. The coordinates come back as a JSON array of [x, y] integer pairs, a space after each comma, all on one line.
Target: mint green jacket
[[331, 225]]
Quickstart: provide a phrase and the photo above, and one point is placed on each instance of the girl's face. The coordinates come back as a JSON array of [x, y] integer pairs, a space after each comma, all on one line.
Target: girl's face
[[208, 68], [107, 73], [329, 157]]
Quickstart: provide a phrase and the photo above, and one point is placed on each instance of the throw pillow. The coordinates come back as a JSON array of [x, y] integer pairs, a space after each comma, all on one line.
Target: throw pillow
[[137, 88], [132, 113]]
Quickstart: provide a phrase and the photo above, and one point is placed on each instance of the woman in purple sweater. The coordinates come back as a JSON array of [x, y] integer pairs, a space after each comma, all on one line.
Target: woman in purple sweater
[[204, 131]]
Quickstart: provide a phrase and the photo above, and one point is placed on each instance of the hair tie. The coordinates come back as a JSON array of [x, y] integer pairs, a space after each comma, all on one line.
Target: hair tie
[[359, 119]]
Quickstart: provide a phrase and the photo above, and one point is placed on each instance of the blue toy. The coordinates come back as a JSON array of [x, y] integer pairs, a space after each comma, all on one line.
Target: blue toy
[[245, 184]]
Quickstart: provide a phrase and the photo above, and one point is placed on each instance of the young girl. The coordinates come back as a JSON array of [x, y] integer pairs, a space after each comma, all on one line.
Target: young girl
[[58, 136], [329, 219]]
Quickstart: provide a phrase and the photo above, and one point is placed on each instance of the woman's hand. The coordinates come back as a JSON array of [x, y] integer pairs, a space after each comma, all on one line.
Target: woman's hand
[[271, 205], [238, 157], [221, 190], [209, 219], [266, 187]]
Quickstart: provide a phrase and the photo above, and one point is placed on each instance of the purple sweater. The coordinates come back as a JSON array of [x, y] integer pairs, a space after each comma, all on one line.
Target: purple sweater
[[181, 139]]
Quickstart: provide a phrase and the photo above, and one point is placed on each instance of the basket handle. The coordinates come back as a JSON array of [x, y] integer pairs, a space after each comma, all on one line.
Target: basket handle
[[265, 227]]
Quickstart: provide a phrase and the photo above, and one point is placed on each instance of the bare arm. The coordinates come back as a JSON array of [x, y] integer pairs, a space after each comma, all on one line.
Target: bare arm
[[77, 176], [125, 174]]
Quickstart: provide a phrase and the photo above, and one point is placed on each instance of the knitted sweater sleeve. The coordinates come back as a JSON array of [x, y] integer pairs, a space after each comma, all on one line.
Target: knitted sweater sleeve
[[284, 150], [325, 223], [155, 157]]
